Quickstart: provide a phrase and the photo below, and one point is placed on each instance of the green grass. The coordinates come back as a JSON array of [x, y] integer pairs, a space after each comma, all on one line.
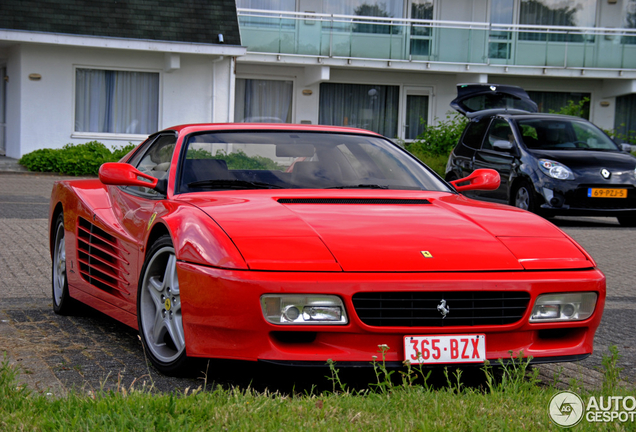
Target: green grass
[[514, 402]]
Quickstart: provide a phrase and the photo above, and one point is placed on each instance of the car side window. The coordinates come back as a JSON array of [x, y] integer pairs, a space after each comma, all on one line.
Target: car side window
[[474, 134], [500, 133], [155, 161]]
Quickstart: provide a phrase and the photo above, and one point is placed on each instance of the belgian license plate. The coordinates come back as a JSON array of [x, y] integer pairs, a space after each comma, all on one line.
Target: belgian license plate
[[445, 349], [606, 193]]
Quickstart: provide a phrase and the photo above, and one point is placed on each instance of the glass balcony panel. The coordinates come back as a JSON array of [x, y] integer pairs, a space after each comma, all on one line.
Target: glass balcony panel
[[426, 40]]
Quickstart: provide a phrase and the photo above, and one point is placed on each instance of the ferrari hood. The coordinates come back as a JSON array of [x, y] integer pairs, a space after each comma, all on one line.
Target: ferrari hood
[[380, 232]]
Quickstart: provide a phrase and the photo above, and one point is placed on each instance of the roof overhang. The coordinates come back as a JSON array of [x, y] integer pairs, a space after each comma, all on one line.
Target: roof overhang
[[20, 36]]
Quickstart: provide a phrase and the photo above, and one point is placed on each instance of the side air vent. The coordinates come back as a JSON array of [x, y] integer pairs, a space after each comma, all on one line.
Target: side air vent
[[101, 258], [352, 201]]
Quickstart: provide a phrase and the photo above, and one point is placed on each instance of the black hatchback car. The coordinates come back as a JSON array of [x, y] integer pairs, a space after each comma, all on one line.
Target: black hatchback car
[[549, 164]]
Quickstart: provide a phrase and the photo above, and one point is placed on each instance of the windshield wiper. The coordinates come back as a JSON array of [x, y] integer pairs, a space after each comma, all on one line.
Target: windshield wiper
[[232, 184], [360, 186]]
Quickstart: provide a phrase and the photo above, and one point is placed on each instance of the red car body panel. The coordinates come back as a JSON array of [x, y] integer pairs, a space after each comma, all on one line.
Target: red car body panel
[[234, 246]]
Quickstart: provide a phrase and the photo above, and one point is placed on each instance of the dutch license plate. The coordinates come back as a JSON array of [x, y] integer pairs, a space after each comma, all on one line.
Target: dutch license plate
[[606, 193], [445, 349]]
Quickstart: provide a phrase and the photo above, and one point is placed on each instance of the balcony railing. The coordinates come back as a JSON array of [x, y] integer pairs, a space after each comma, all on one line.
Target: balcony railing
[[345, 36]]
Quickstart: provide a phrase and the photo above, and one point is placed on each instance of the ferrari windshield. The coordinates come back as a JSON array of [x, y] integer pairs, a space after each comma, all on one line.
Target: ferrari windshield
[[295, 159], [564, 134]]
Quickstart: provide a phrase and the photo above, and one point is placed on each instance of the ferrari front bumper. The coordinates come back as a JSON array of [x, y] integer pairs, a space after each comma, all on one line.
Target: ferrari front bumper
[[223, 318]]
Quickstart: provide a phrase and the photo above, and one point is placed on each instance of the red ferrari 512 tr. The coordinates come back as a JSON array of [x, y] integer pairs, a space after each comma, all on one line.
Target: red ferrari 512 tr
[[297, 244]]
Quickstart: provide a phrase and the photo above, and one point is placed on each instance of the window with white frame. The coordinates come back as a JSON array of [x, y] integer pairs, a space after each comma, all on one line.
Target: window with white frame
[[572, 13], [258, 101], [371, 107], [118, 102], [421, 33]]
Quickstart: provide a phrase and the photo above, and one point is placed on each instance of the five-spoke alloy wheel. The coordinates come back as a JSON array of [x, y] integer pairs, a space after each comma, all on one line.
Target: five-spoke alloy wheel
[[63, 304], [159, 308]]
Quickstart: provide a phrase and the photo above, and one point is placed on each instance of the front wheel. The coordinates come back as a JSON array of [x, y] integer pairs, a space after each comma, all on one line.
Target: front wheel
[[524, 197], [159, 309], [63, 304]]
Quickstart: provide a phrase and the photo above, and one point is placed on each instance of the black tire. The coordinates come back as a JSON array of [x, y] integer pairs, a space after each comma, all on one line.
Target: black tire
[[63, 303], [627, 221], [524, 197], [159, 309]]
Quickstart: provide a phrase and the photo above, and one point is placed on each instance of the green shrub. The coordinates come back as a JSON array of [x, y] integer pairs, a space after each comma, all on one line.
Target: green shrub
[[433, 146], [74, 159]]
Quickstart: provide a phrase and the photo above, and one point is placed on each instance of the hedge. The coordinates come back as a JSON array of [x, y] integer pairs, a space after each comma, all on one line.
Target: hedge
[[74, 159]]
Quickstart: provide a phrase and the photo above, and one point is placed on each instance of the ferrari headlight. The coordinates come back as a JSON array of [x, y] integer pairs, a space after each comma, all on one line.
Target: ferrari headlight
[[563, 307], [303, 309], [555, 170]]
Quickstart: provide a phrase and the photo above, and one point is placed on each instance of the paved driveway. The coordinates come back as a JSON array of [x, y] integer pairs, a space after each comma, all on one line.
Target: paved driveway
[[91, 351]]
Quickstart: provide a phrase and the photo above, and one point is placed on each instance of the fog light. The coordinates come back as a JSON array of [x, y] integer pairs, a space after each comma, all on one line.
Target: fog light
[[316, 309], [564, 307], [322, 313], [291, 313], [547, 312]]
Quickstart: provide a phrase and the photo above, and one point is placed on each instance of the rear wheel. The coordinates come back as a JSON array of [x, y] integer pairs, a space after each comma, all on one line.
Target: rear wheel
[[627, 221], [524, 197], [159, 309], [63, 304]]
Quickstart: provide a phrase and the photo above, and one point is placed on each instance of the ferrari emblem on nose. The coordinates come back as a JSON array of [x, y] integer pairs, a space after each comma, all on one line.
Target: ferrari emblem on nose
[[605, 173], [427, 254], [443, 309]]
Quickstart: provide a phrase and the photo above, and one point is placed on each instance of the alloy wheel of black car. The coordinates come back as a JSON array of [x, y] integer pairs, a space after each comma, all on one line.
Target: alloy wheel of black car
[[524, 197], [159, 309], [63, 304]]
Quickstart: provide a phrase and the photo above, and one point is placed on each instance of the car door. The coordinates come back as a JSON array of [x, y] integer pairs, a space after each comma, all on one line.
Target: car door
[[133, 206], [499, 152], [461, 160]]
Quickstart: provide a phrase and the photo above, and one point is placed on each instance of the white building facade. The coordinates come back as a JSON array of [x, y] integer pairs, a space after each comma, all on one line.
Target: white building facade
[[73, 71], [116, 72]]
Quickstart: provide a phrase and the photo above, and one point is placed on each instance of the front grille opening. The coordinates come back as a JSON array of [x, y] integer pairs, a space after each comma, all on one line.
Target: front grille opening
[[420, 309], [294, 337]]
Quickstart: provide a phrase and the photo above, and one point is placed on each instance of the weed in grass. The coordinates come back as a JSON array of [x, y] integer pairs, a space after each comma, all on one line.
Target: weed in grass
[[335, 378], [454, 386], [611, 370], [516, 375], [382, 374]]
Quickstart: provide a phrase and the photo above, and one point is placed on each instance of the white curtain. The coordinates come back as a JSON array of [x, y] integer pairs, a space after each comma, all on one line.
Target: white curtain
[[554, 101], [267, 101], [416, 116], [116, 101], [371, 107]]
